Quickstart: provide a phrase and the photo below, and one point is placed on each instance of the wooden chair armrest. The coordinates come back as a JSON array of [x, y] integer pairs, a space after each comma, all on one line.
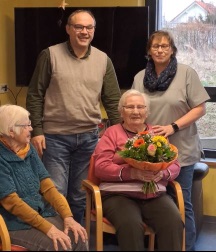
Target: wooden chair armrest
[[179, 198], [87, 184], [180, 203], [94, 192], [93, 195], [4, 235]]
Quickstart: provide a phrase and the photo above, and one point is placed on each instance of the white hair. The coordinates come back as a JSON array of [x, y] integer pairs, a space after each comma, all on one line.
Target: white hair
[[10, 115], [133, 92]]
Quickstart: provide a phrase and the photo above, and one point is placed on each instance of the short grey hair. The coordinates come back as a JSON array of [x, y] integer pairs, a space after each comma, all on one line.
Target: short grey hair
[[133, 92], [10, 115]]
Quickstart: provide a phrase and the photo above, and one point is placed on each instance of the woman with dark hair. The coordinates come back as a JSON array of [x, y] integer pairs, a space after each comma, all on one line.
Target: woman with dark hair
[[177, 101]]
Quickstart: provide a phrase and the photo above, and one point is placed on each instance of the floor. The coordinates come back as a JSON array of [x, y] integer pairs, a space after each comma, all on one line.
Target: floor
[[206, 241]]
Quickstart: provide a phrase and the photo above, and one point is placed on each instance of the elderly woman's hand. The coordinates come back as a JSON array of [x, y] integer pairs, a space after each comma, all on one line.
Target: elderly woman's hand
[[58, 236], [76, 228], [146, 176]]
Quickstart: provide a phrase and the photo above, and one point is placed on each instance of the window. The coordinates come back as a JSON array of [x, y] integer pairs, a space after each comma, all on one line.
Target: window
[[193, 26]]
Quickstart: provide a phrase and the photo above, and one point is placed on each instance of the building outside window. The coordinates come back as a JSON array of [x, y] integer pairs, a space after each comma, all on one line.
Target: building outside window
[[193, 26]]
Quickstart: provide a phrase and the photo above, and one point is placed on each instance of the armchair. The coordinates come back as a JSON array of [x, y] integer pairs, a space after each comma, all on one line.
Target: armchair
[[94, 211]]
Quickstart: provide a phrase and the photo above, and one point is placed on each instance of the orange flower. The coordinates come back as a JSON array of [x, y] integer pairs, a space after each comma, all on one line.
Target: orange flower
[[148, 152], [143, 133], [138, 142], [147, 147]]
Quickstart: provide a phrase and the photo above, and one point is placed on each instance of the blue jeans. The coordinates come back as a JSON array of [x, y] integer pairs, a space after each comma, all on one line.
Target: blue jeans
[[185, 179], [67, 159]]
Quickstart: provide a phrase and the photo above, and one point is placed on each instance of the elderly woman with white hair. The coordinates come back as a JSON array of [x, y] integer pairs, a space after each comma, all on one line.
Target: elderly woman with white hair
[[124, 203], [25, 186]]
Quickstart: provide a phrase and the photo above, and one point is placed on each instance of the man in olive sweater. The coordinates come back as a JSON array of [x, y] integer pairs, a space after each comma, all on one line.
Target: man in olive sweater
[[68, 84]]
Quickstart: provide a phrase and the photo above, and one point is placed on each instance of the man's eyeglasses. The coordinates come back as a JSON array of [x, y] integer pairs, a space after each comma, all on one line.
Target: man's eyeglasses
[[132, 108], [23, 125], [164, 47], [79, 28]]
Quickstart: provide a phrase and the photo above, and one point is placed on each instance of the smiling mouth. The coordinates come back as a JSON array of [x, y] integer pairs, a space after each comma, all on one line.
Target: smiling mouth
[[85, 38]]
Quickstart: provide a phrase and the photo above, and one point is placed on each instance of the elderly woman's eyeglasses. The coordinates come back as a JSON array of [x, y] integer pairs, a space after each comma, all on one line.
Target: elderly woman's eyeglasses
[[23, 125], [79, 28], [132, 108], [164, 47]]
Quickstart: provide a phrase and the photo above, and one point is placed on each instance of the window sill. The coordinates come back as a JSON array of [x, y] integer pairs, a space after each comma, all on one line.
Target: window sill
[[211, 162]]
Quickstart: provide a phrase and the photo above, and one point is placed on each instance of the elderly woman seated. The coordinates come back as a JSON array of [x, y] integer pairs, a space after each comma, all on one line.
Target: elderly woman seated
[[26, 189], [124, 203]]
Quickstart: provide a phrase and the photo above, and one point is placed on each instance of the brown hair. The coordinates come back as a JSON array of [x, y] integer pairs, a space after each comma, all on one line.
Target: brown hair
[[160, 34]]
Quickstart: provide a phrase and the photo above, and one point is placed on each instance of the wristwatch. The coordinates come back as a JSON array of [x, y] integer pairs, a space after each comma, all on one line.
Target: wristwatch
[[175, 127]]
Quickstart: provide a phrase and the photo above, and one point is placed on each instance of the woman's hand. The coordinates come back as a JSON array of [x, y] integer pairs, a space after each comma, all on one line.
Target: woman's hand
[[163, 130], [76, 228], [58, 236], [39, 144], [146, 176]]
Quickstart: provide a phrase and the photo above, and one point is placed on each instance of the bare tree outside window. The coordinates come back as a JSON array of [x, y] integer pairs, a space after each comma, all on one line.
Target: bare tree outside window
[[193, 26]]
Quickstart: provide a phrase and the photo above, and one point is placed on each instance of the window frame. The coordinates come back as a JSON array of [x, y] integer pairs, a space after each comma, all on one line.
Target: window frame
[[155, 20]]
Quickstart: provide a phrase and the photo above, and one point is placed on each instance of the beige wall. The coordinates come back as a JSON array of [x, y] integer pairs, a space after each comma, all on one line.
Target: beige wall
[[7, 64], [209, 195]]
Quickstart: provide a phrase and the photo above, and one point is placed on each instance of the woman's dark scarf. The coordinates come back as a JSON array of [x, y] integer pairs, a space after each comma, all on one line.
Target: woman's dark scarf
[[161, 83]]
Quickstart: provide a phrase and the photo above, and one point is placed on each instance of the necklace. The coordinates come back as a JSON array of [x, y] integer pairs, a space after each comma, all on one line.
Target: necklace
[[131, 133]]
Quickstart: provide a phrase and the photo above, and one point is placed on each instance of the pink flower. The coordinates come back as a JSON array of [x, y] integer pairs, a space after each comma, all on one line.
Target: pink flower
[[151, 150]]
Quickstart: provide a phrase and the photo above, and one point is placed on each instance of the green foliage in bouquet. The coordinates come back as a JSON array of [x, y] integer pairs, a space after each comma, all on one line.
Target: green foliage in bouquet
[[149, 152], [145, 147]]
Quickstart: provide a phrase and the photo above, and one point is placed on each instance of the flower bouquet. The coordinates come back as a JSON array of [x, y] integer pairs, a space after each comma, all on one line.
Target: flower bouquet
[[146, 151]]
